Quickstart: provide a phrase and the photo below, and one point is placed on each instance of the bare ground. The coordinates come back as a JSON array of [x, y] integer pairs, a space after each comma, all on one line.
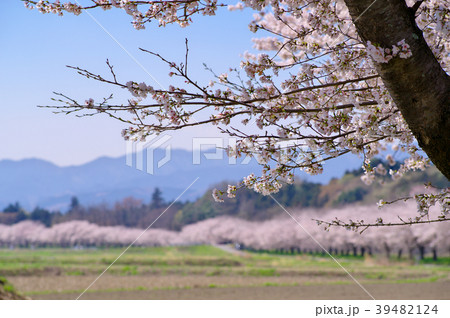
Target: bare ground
[[107, 282], [436, 290]]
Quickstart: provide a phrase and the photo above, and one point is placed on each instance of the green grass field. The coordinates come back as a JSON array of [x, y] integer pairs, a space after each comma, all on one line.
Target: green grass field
[[59, 273]]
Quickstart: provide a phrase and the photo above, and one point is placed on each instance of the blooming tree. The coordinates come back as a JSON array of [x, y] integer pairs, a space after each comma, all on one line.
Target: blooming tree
[[278, 234], [331, 78]]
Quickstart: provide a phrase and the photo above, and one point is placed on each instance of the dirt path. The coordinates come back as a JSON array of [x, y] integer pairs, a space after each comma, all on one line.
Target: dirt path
[[437, 290], [230, 249]]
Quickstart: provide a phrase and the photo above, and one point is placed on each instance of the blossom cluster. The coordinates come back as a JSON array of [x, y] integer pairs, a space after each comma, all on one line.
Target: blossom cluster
[[380, 55], [217, 195], [165, 12]]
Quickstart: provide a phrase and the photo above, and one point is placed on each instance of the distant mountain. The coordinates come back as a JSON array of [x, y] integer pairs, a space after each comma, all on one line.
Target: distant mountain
[[35, 182]]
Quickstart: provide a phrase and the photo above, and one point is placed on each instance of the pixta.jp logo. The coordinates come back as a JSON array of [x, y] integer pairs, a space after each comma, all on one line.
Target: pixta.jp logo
[[155, 153], [145, 153]]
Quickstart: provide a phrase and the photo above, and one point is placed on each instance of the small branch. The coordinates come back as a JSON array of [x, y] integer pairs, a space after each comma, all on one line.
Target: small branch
[[416, 6], [112, 71], [379, 223], [186, 58]]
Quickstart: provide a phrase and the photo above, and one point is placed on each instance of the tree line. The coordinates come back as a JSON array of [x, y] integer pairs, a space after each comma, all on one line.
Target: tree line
[[129, 212]]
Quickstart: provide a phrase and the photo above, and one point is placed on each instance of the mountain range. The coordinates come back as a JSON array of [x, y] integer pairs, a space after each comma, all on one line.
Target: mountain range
[[36, 182]]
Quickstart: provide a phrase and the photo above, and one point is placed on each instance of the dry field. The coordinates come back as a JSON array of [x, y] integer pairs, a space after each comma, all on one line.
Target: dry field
[[206, 272], [437, 290]]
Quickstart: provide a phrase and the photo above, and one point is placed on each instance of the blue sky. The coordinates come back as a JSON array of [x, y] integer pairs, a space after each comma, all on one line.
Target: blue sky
[[36, 48]]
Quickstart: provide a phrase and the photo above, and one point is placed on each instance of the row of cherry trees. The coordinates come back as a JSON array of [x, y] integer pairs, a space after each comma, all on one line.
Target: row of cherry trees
[[282, 234]]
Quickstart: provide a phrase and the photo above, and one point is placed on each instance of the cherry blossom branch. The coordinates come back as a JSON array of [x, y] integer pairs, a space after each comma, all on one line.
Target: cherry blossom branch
[[424, 202], [357, 225]]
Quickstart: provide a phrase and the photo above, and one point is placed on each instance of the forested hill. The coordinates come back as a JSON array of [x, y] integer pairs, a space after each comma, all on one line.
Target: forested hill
[[132, 212]]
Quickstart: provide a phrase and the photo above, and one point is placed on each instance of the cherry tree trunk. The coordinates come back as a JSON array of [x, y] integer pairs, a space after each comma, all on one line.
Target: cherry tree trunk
[[418, 85], [435, 257]]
